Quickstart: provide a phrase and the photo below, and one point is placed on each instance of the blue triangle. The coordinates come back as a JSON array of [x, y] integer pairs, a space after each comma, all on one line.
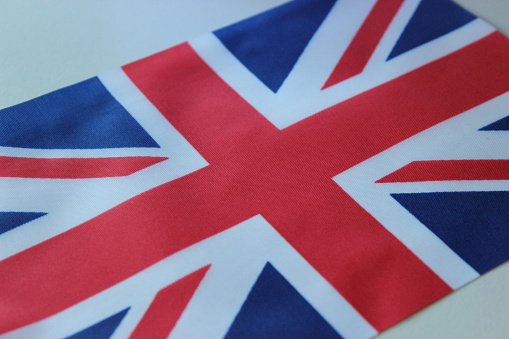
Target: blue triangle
[[10, 220], [274, 309], [431, 20], [81, 116], [270, 43], [499, 125], [103, 329], [475, 225]]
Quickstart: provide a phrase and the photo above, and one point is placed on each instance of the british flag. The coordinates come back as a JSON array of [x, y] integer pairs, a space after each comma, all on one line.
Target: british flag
[[323, 169]]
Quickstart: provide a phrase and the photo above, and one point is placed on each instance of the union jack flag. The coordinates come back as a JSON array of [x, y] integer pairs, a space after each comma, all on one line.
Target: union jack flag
[[323, 169]]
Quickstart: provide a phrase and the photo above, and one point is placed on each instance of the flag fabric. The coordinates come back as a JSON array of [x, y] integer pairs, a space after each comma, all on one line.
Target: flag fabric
[[321, 170]]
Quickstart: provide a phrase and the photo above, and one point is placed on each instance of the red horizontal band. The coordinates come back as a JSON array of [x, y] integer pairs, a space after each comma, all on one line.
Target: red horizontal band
[[74, 168]]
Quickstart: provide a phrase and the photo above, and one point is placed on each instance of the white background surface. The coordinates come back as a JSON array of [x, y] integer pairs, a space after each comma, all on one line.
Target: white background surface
[[48, 44]]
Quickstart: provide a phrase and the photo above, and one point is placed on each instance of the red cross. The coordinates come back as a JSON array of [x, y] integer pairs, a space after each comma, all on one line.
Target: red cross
[[284, 175]]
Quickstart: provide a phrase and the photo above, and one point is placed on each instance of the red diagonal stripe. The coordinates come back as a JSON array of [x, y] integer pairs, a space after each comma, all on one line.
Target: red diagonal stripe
[[286, 176], [167, 307], [443, 170], [74, 168], [365, 41]]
